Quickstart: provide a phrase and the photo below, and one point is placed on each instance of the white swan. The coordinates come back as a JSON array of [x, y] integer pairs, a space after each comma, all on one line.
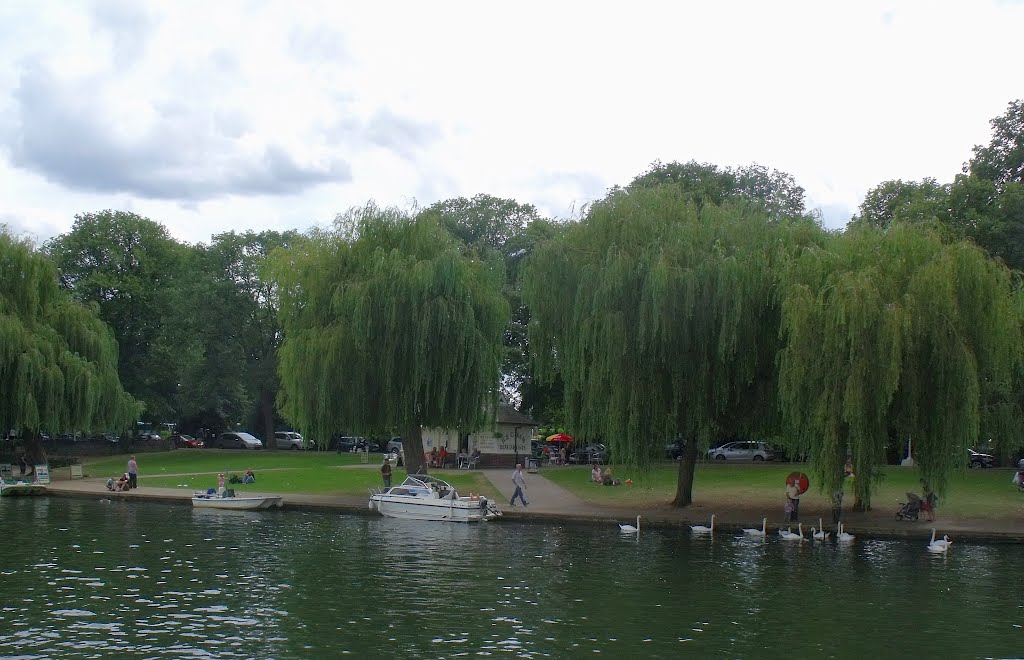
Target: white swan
[[629, 529], [940, 545], [843, 537], [790, 536], [701, 529], [760, 533], [820, 534]]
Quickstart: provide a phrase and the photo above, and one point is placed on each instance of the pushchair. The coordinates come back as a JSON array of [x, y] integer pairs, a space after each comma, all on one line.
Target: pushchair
[[911, 510]]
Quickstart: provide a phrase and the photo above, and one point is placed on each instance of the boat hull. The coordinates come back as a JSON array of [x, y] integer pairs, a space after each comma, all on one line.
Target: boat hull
[[440, 510], [237, 503]]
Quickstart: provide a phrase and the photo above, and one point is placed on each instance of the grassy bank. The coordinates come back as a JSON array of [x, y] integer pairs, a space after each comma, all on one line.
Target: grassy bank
[[971, 494], [316, 473]]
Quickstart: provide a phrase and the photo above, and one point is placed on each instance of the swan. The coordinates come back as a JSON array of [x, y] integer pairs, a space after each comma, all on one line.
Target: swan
[[820, 534], [940, 545], [629, 529], [843, 536], [760, 533], [790, 536], [701, 529]]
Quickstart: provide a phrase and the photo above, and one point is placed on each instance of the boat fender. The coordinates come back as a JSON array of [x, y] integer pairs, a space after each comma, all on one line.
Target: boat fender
[[369, 505]]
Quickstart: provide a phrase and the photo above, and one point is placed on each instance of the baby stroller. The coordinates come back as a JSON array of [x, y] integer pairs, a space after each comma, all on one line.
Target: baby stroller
[[911, 510]]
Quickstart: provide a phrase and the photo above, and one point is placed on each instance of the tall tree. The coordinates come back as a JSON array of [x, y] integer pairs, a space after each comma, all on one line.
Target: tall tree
[[58, 361], [706, 183], [661, 320], [131, 269], [241, 260], [892, 333], [924, 202], [387, 324]]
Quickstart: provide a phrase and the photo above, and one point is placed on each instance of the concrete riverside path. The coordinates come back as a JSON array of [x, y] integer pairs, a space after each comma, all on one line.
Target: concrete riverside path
[[544, 496]]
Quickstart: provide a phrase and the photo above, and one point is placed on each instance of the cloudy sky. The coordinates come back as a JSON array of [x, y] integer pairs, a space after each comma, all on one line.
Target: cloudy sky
[[211, 116]]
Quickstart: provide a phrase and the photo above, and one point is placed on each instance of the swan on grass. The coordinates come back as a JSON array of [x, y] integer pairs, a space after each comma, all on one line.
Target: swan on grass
[[843, 537], [939, 545], [788, 535], [701, 529], [820, 534], [629, 529], [760, 533]]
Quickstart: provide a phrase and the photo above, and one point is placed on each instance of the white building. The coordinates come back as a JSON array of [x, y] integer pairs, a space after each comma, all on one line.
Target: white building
[[503, 445]]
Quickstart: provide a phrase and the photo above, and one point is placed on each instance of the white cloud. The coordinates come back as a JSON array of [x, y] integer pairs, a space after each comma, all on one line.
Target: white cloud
[[229, 115]]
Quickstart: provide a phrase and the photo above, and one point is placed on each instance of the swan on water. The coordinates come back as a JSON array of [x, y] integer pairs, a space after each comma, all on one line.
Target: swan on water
[[757, 532], [790, 536], [843, 536], [820, 534], [939, 545], [629, 529], [701, 529]]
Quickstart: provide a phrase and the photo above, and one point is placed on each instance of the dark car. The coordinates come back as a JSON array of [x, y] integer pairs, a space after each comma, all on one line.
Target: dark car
[[979, 460]]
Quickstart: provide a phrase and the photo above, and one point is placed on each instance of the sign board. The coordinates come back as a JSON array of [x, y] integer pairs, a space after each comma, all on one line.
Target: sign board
[[6, 471], [43, 474], [76, 471]]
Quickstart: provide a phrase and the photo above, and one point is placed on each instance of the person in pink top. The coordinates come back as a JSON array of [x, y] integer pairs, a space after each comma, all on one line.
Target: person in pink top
[[133, 473]]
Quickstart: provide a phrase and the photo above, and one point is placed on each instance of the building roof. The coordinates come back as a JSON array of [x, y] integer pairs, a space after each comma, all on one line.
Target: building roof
[[509, 415]]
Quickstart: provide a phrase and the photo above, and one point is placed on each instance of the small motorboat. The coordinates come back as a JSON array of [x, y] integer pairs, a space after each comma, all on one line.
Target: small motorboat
[[228, 500], [16, 488], [422, 497]]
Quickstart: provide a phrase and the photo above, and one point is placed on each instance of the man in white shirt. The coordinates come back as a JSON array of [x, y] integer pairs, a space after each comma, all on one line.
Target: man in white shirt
[[520, 481]]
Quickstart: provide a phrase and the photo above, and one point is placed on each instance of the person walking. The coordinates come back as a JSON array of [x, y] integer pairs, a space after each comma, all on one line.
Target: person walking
[[385, 472], [133, 473], [520, 481]]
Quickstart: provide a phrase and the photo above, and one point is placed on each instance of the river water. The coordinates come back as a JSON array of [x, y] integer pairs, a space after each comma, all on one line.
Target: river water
[[84, 578]]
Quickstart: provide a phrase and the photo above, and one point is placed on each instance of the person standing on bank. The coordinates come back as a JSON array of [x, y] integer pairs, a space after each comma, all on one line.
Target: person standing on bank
[[133, 473], [793, 500], [385, 472], [520, 481]]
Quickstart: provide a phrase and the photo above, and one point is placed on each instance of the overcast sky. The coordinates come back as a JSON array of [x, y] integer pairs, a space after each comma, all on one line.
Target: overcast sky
[[213, 116]]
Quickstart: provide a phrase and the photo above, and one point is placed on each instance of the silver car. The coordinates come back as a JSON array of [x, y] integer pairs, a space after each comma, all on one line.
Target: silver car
[[742, 450], [239, 440], [289, 440]]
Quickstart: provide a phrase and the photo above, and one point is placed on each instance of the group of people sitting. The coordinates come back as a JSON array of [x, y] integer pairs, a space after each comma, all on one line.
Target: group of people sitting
[[122, 484], [437, 458], [605, 477], [248, 478]]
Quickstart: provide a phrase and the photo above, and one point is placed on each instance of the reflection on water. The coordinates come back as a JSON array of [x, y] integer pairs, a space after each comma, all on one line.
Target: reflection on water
[[90, 579]]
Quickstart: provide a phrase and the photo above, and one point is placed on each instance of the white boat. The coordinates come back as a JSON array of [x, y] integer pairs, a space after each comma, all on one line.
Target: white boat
[[422, 497], [10, 489], [207, 500]]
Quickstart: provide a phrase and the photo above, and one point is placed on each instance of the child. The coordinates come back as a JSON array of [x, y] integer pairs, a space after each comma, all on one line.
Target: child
[[788, 510]]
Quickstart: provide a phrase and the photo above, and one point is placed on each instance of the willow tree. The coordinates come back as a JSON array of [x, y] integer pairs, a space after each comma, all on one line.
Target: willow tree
[[387, 325], [660, 319], [893, 334], [58, 360]]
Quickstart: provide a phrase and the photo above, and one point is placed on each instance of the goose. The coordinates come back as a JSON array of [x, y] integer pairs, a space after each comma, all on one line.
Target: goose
[[790, 536], [843, 536], [629, 529], [939, 545], [820, 534], [701, 529], [760, 533]]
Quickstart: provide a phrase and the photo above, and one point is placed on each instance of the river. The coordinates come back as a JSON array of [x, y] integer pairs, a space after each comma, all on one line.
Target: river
[[84, 578]]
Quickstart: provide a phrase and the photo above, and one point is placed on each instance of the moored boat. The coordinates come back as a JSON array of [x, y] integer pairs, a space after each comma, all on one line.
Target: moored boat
[[11, 489], [207, 500], [422, 497]]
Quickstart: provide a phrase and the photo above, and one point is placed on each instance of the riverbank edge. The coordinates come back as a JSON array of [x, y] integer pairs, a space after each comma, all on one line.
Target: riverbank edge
[[597, 517]]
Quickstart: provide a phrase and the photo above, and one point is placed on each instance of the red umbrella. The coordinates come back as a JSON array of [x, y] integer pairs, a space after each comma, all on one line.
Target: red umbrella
[[559, 437], [801, 481]]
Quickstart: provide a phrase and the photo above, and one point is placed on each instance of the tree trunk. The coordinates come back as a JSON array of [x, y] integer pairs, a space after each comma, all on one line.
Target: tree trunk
[[35, 454], [684, 487], [412, 444], [267, 413]]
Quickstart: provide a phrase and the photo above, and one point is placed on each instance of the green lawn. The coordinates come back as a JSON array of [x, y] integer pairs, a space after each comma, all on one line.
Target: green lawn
[[317, 473], [971, 494]]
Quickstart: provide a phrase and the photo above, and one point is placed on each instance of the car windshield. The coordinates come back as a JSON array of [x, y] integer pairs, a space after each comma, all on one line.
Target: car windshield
[[245, 436]]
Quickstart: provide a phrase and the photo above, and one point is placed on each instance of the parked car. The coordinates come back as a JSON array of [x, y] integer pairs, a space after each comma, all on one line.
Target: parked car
[[355, 443], [742, 450], [979, 460], [394, 446], [186, 441], [239, 440], [595, 453], [289, 440]]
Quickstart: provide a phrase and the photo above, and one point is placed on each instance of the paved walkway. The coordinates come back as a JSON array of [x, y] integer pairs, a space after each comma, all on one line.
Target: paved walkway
[[553, 504]]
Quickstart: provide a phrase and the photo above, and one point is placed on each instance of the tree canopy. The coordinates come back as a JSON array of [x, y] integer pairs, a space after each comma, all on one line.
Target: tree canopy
[[892, 333], [58, 360], [388, 325], [660, 318]]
